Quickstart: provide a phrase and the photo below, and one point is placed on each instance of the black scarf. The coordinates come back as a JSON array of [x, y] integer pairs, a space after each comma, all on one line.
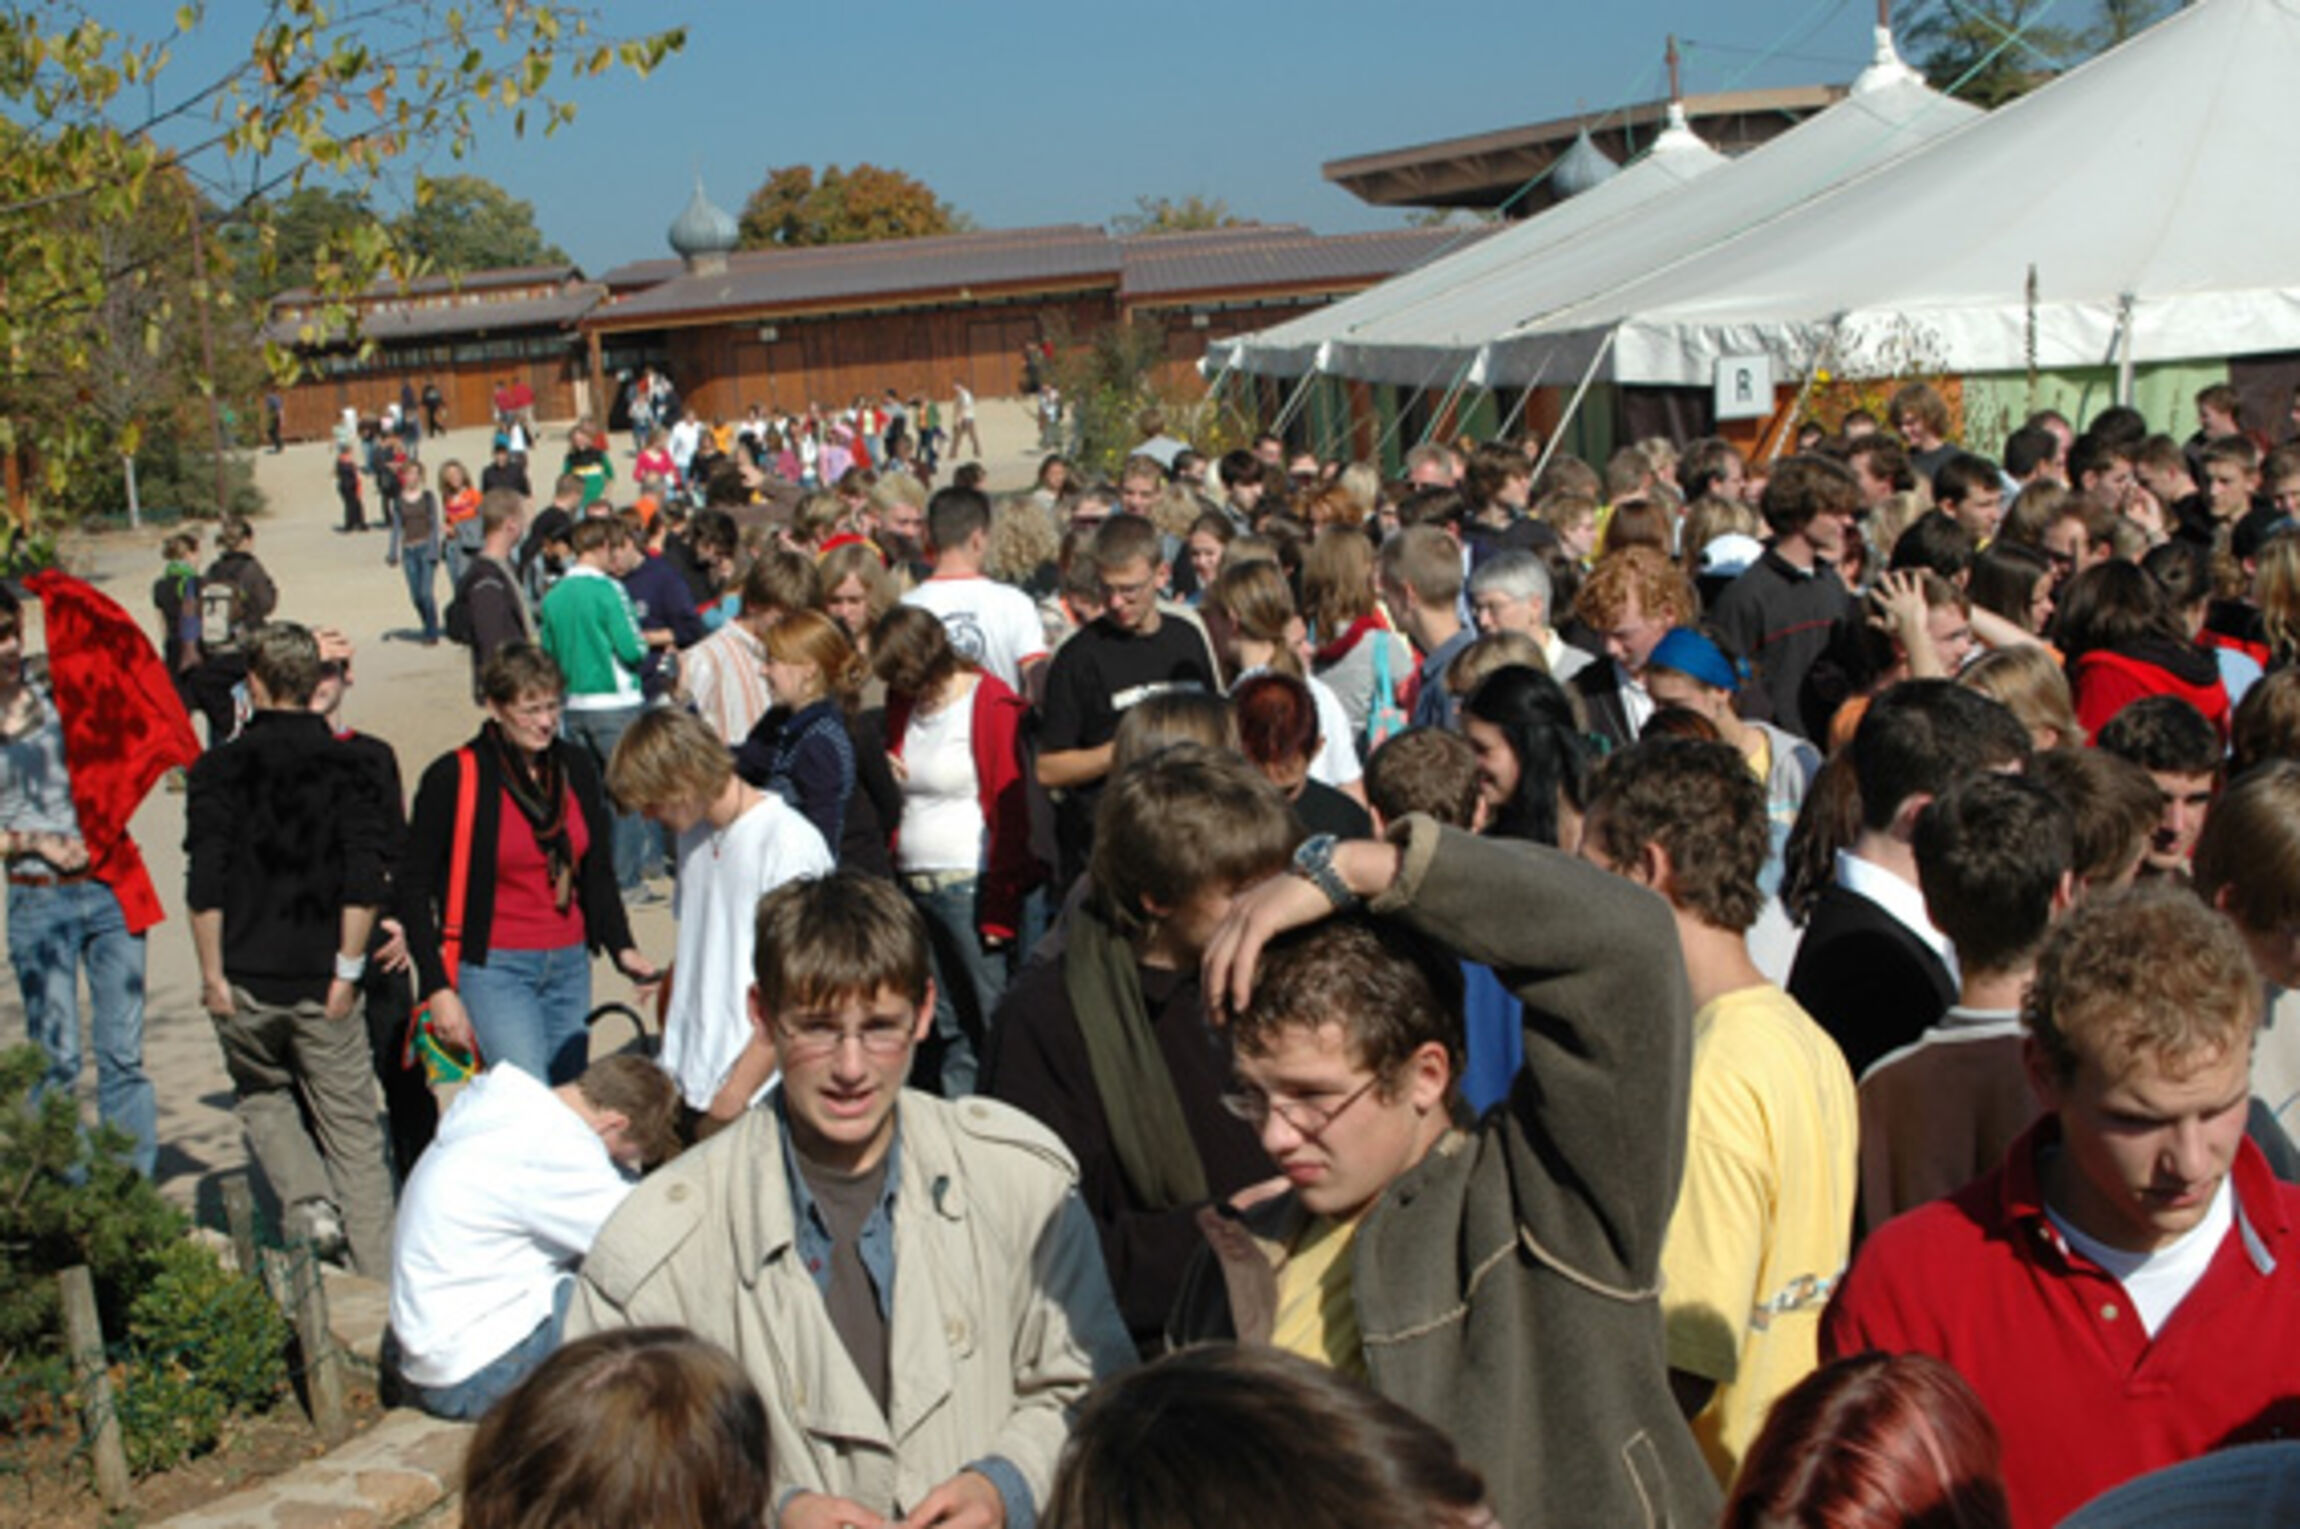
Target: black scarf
[[539, 791]]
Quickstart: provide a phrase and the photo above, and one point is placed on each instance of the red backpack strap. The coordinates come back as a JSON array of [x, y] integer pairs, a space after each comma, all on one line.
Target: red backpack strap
[[459, 863]]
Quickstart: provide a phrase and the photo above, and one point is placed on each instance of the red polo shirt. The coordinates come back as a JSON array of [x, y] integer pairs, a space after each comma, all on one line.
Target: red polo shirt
[[2082, 1396]]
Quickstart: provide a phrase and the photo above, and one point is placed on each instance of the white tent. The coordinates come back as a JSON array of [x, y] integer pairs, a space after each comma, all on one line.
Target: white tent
[[1437, 331], [1676, 157], [2144, 189]]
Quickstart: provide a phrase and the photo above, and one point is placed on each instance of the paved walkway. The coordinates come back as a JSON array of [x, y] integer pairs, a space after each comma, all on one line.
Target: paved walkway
[[416, 698]]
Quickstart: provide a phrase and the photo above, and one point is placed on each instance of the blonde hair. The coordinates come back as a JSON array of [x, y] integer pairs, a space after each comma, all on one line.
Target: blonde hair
[[1338, 580], [2148, 972], [1495, 650], [1255, 598], [668, 756], [2029, 684], [810, 637], [2276, 590], [1022, 541]]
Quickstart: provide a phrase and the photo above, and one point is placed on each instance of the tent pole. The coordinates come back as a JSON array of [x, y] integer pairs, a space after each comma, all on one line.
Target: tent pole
[[1446, 401], [1573, 405], [2124, 350], [1812, 375], [1525, 396], [1286, 412]]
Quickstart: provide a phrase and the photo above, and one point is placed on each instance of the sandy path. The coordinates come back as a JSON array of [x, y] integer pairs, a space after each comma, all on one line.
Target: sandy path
[[416, 698]]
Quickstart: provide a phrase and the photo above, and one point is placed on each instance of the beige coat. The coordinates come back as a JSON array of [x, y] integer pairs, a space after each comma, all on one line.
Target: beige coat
[[1002, 1314]]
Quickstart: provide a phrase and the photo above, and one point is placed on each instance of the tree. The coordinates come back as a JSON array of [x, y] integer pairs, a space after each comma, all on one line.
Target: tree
[[92, 121], [1989, 51], [791, 208], [468, 223], [1164, 215], [298, 226]]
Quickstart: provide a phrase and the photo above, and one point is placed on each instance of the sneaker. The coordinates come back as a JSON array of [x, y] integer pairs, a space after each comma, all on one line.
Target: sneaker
[[316, 1222], [643, 896]]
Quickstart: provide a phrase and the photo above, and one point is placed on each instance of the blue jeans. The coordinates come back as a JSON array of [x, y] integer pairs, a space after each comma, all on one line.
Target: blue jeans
[[470, 1397], [597, 732], [968, 980], [421, 565], [53, 931], [528, 1008]]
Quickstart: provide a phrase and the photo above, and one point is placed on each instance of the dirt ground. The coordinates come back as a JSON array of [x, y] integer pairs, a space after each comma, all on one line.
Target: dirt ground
[[416, 698]]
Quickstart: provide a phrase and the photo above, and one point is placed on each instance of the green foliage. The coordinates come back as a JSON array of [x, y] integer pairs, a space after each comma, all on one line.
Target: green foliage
[[297, 227], [321, 91], [468, 223], [202, 1343], [207, 1346], [175, 477], [1108, 379], [1164, 215], [791, 208], [1989, 51]]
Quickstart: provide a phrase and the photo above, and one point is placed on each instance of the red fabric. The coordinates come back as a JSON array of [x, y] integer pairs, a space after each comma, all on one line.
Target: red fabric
[[1000, 792], [2256, 651], [2106, 683], [525, 917], [2082, 1396], [124, 727]]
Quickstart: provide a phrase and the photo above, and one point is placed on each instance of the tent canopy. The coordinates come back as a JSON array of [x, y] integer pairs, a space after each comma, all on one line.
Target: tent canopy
[[1676, 157], [1435, 323], [2144, 179]]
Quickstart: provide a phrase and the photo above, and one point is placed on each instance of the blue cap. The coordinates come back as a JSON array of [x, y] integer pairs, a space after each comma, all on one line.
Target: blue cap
[[1696, 657]]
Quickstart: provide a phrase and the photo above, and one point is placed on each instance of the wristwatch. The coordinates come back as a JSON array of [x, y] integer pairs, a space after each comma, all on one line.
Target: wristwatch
[[1314, 863]]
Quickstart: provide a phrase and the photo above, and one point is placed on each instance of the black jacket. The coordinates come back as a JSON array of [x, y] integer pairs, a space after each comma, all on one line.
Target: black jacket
[[284, 828], [1867, 980], [421, 892]]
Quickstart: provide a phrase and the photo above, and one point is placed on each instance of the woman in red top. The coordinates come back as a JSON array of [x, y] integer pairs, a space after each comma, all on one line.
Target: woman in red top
[[962, 851], [540, 891], [2123, 641]]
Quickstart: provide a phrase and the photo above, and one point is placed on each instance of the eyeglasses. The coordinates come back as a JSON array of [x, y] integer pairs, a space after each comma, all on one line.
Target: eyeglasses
[[535, 711], [815, 1040], [1255, 1108], [1133, 591]]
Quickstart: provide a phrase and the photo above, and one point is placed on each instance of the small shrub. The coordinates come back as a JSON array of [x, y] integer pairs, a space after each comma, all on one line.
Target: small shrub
[[202, 1343]]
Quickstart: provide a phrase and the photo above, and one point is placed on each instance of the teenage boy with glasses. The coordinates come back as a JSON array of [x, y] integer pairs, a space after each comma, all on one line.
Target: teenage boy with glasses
[[913, 1284], [1502, 1278]]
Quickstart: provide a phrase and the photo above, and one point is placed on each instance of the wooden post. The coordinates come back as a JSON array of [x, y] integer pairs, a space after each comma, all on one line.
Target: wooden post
[[240, 1216], [99, 1422], [322, 1360]]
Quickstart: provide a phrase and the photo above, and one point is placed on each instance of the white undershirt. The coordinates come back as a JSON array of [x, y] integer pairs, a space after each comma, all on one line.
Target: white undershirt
[[941, 798], [2158, 1282]]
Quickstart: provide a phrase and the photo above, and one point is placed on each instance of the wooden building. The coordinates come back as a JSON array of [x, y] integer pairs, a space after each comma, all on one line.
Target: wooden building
[[789, 328], [470, 334]]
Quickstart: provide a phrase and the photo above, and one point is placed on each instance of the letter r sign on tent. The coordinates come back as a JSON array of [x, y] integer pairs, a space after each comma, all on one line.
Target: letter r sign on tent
[[1744, 387]]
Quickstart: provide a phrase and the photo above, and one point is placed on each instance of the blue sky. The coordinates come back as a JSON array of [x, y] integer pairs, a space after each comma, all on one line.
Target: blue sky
[[1024, 112]]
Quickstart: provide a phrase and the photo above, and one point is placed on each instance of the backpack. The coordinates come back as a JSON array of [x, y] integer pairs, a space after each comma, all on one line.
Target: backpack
[[220, 607], [456, 619]]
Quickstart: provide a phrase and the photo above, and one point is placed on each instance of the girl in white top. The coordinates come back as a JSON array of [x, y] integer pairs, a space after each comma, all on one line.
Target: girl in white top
[[1265, 632]]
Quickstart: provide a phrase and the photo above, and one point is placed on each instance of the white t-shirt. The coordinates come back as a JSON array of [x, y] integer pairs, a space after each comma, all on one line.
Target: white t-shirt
[[941, 795], [993, 624], [722, 875], [501, 1207], [2158, 1282]]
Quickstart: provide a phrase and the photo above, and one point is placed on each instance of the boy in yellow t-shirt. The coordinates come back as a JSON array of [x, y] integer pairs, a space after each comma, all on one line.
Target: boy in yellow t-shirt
[[1763, 1222]]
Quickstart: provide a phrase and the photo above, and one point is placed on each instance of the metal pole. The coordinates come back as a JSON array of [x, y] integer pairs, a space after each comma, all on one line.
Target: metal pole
[[1573, 404], [208, 349]]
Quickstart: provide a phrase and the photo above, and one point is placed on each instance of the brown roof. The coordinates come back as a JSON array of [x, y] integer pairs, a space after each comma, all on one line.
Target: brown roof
[[1486, 169], [1285, 258], [450, 281], [773, 281], [561, 310]]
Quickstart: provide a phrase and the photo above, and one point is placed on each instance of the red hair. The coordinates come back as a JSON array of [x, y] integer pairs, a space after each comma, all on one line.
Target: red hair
[[1277, 718], [1876, 1441]]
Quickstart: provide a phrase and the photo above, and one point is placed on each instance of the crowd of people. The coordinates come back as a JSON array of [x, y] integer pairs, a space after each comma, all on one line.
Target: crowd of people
[[1699, 984]]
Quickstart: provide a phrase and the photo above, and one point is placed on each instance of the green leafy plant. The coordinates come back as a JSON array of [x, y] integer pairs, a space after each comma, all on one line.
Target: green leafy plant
[[195, 1344]]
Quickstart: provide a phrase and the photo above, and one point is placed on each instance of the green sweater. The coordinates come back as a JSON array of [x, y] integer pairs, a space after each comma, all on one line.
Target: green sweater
[[1508, 1284], [586, 624]]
